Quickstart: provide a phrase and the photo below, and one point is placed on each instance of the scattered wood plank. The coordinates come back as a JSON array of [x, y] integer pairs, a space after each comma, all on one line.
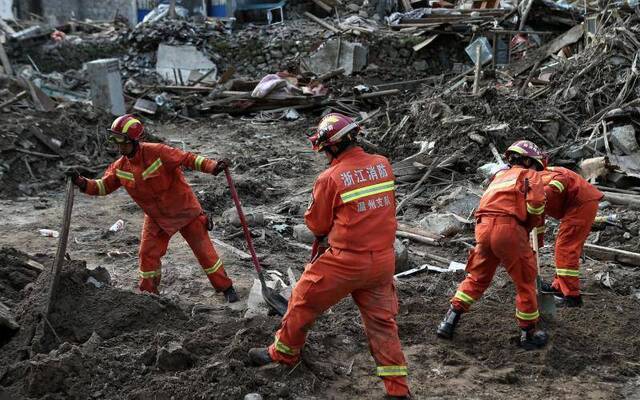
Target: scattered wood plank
[[322, 23], [628, 200], [37, 132], [330, 74], [327, 8], [391, 92], [609, 254], [425, 43], [14, 99], [4, 59], [241, 254], [417, 238]]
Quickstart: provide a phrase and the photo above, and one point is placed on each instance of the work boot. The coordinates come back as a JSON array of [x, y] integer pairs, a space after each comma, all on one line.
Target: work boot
[[568, 301], [531, 338], [231, 295], [390, 397], [448, 324], [546, 287], [260, 356]]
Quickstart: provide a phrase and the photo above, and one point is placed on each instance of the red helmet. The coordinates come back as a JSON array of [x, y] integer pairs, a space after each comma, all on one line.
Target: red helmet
[[529, 149], [127, 127], [332, 129]]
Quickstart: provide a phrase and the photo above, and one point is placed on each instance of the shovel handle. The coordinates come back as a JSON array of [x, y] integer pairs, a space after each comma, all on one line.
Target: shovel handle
[[243, 221]]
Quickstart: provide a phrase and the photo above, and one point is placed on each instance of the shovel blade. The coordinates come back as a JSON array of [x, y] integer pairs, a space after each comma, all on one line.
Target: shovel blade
[[547, 305], [275, 300]]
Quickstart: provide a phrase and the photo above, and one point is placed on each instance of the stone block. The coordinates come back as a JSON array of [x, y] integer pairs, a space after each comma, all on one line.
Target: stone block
[[353, 57], [624, 140], [106, 85]]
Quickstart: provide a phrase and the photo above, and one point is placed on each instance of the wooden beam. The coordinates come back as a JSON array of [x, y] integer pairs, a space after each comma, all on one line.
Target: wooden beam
[[324, 6], [607, 253], [6, 64], [322, 23]]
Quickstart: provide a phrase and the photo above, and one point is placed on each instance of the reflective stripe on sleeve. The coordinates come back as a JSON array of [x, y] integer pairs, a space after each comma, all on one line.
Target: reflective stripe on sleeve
[[198, 163], [557, 184], [370, 190], [392, 370], [102, 191], [124, 175], [535, 210], [541, 229], [152, 168]]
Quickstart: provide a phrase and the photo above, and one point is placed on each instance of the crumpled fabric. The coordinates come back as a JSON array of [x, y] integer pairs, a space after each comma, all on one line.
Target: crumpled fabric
[[273, 86]]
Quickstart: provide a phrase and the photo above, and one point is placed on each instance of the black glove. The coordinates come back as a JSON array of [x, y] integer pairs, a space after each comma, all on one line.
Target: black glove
[[77, 179], [221, 165]]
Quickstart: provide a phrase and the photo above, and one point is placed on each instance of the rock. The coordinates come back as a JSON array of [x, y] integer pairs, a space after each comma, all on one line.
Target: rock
[[7, 321], [353, 57], [302, 234], [442, 224], [276, 54], [253, 396], [174, 357], [253, 218], [255, 302], [405, 53], [353, 7], [624, 139], [402, 256], [148, 356], [420, 65], [363, 14], [92, 344]]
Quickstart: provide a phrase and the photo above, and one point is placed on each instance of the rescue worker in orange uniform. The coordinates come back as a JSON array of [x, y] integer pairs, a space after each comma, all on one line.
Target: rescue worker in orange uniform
[[353, 205], [509, 209], [152, 175], [574, 202]]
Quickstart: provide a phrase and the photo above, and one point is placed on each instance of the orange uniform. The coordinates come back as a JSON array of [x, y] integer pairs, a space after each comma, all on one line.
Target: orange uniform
[[153, 178], [512, 205], [573, 201], [354, 204]]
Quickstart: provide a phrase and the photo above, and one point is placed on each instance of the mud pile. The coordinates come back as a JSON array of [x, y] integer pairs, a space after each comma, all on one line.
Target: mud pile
[[118, 344]]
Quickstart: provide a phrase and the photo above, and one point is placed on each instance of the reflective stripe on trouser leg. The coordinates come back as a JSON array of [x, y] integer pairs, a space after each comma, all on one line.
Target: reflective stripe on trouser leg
[[391, 370], [153, 245], [573, 232], [197, 236], [481, 267], [323, 284], [284, 349], [379, 307]]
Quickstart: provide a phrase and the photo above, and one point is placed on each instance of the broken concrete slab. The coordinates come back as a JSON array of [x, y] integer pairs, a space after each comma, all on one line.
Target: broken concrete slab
[[442, 224], [106, 85], [624, 140], [175, 63], [253, 218], [7, 320], [339, 54]]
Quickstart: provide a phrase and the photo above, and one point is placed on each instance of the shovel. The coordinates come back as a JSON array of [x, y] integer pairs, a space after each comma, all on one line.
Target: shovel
[[546, 301], [273, 299]]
